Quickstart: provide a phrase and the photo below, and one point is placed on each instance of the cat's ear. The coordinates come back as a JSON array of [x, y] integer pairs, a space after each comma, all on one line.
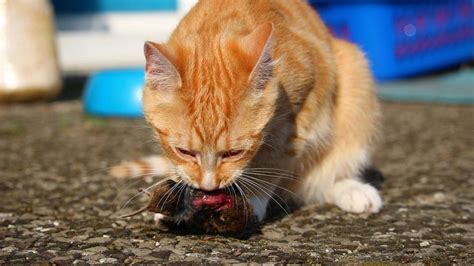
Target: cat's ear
[[257, 47], [159, 69]]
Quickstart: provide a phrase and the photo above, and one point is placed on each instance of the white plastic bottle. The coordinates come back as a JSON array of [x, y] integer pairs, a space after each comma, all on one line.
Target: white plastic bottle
[[28, 62]]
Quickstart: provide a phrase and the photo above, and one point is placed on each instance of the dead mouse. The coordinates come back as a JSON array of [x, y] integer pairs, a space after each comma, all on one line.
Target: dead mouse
[[193, 209]]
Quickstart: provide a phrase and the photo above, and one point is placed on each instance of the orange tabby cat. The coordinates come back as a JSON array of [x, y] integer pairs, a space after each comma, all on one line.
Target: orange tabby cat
[[257, 93]]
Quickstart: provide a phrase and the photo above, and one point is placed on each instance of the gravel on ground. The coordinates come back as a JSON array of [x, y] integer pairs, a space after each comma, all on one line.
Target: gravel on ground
[[58, 205]]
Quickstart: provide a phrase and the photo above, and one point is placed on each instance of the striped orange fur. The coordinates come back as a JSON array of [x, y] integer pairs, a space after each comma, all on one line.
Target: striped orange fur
[[258, 91]]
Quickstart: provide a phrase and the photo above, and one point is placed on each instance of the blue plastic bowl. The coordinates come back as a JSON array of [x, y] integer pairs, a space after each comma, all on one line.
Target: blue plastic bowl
[[115, 93]]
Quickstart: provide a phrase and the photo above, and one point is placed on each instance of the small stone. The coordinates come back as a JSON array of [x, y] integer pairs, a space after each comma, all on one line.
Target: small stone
[[63, 240], [329, 250], [424, 244], [52, 251], [319, 217], [99, 240], [42, 229], [151, 259], [140, 252], [162, 254], [147, 245], [31, 251], [9, 249], [273, 234], [97, 249], [122, 243], [65, 259], [80, 238], [266, 252], [108, 260], [3, 215], [229, 261], [167, 240], [93, 259], [120, 223], [439, 196]]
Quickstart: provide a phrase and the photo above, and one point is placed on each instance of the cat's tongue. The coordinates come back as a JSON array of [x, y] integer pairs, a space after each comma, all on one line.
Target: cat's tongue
[[218, 199]]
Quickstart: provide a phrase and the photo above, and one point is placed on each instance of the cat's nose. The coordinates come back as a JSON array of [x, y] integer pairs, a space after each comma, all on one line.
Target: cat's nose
[[208, 186], [208, 183]]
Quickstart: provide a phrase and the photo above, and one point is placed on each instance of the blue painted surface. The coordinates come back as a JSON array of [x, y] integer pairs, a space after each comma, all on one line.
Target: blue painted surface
[[115, 93], [451, 88], [404, 38], [99, 6]]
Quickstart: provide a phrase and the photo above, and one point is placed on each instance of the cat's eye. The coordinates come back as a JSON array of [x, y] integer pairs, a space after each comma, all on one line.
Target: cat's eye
[[232, 154], [185, 153]]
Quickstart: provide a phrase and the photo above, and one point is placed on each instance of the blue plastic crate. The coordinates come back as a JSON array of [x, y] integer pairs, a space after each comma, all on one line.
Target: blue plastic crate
[[404, 38]]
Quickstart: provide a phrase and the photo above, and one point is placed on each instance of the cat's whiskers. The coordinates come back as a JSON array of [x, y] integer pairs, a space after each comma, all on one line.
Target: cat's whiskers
[[271, 176], [142, 191], [242, 192], [255, 196], [273, 169], [128, 186], [275, 149], [228, 190], [274, 185], [169, 192], [282, 115], [163, 196], [272, 197], [266, 191], [270, 173], [91, 173], [148, 141], [180, 192]]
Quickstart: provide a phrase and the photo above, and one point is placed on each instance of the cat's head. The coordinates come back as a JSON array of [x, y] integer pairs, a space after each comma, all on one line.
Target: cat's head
[[209, 100]]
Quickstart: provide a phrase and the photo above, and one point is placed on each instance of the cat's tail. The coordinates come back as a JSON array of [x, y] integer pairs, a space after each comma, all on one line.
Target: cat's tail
[[149, 166]]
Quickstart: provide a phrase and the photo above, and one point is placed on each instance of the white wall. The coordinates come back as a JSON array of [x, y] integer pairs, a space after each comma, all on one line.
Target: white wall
[[118, 40]]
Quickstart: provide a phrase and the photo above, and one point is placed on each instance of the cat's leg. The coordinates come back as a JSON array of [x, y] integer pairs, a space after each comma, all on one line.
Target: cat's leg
[[152, 166], [338, 181], [336, 176]]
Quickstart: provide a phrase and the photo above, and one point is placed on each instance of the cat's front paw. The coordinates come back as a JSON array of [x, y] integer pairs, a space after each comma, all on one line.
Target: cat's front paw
[[353, 196]]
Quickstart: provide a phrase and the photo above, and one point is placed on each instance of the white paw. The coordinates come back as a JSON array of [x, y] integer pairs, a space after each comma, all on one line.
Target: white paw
[[353, 196]]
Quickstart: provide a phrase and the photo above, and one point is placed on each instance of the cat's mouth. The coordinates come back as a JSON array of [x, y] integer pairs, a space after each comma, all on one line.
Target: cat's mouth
[[217, 200]]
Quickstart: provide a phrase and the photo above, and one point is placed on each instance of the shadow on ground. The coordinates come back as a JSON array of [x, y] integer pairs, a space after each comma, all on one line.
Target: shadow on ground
[[58, 205]]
